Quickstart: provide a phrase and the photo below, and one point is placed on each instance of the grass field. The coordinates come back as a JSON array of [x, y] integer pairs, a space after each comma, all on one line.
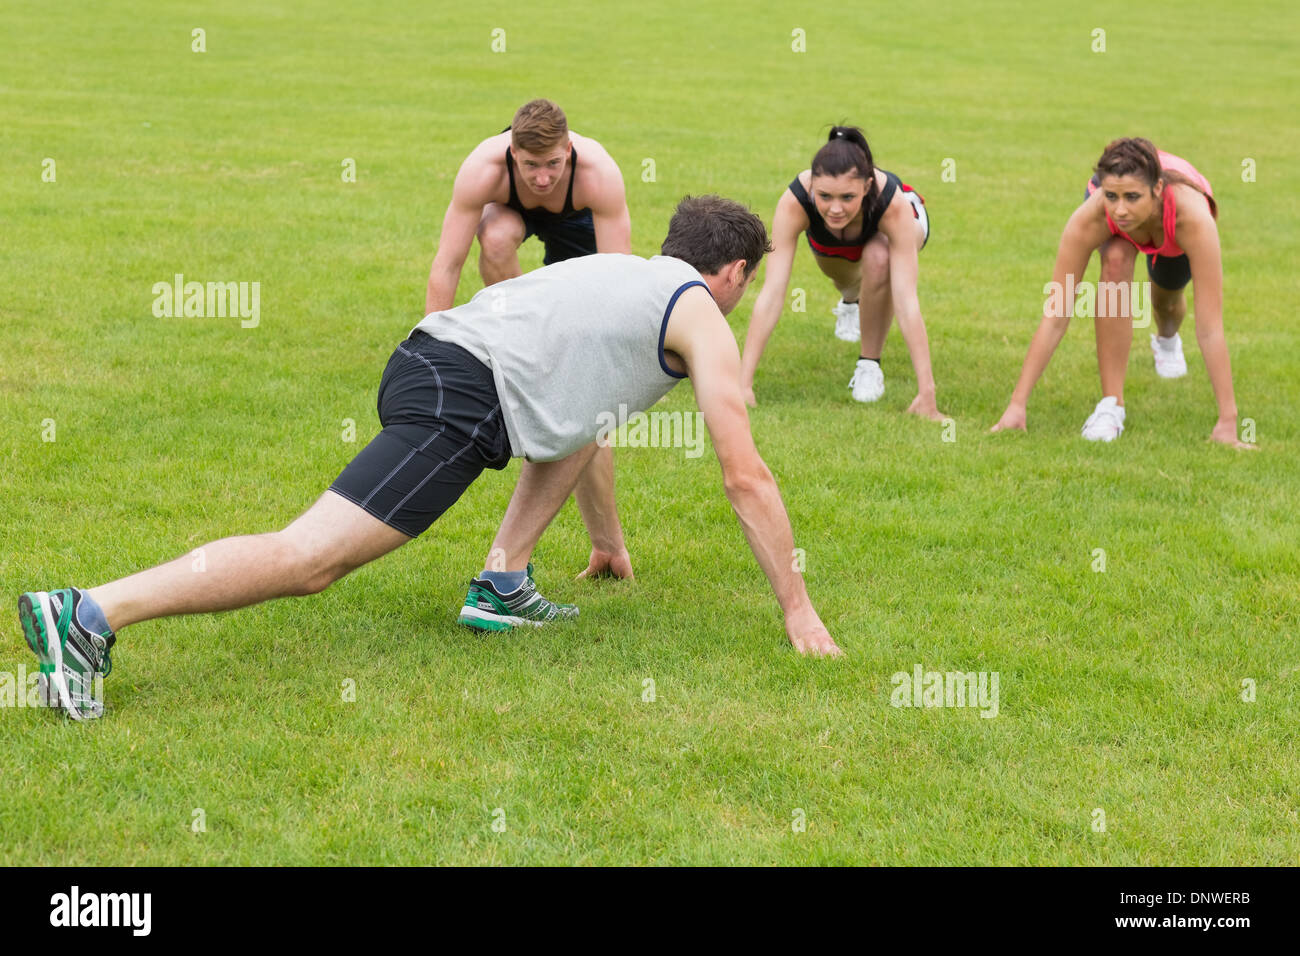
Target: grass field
[[1120, 691]]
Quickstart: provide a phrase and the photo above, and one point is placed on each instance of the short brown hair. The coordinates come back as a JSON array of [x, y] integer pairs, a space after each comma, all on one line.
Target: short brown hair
[[709, 232], [538, 126]]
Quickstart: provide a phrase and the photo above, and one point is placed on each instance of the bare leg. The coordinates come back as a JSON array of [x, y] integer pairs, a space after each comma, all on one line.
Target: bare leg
[[330, 539], [500, 234], [1170, 307], [1114, 332], [843, 273], [542, 490], [875, 301]]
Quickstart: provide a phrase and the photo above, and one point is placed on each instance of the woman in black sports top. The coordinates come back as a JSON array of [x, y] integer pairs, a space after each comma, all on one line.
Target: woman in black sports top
[[865, 228]]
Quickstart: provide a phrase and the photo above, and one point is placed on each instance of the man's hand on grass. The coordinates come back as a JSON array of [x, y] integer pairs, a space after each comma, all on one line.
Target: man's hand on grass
[[809, 635], [609, 564]]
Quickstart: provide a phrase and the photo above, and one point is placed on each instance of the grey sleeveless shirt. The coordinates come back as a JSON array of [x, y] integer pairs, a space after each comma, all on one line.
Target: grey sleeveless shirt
[[569, 343]]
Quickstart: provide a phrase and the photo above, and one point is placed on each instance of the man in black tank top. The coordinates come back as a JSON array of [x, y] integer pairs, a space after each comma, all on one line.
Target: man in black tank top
[[528, 181], [565, 234]]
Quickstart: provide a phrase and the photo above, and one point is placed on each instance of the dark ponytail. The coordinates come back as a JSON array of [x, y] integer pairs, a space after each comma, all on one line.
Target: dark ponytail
[[846, 151]]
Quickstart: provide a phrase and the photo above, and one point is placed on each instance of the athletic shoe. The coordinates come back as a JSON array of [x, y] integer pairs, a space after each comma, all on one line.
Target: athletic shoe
[[487, 609], [846, 321], [74, 660], [1106, 422], [868, 381], [1169, 357]]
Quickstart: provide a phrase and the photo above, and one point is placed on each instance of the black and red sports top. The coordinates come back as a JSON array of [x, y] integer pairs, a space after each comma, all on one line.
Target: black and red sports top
[[827, 243]]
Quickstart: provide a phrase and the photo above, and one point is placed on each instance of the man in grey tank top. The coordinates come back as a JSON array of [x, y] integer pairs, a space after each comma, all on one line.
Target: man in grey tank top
[[521, 370]]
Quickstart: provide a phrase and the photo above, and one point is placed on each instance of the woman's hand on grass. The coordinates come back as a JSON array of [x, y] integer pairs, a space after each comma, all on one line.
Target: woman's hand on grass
[[925, 406], [1012, 418], [1226, 432]]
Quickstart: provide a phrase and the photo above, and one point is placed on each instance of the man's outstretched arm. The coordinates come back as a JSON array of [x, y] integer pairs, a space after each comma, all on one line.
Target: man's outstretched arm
[[700, 335]]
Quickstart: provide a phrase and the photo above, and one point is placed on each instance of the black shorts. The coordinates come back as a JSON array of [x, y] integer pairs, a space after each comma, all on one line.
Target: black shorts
[[1167, 272], [1170, 272], [442, 426], [563, 238]]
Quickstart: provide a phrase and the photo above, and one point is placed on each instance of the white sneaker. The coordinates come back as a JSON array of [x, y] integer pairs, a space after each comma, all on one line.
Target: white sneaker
[[1106, 421], [846, 321], [1169, 356], [868, 381]]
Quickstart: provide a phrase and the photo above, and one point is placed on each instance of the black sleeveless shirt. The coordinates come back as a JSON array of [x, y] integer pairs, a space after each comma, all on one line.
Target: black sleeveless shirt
[[819, 235]]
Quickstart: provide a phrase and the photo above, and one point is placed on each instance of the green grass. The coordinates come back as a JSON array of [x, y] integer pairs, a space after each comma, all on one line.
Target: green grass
[[1119, 690]]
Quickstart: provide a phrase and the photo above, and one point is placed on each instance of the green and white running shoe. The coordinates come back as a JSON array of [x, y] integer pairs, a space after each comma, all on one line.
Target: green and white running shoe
[[74, 660], [487, 609]]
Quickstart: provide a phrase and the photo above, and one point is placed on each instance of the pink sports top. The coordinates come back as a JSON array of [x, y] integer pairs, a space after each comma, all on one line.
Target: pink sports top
[[1169, 212]]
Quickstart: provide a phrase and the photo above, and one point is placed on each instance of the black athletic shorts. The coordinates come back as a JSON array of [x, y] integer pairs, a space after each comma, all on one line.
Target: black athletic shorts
[[563, 238], [442, 427], [1170, 272], [1167, 272]]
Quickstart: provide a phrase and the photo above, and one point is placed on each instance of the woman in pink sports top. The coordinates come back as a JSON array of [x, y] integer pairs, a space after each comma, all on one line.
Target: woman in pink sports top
[[1139, 200]]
